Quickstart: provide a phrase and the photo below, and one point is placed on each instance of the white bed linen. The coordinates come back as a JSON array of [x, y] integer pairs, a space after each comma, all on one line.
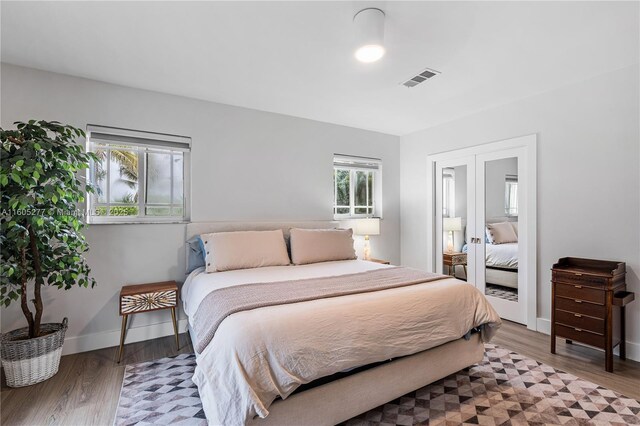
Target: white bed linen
[[259, 354], [502, 255], [198, 284]]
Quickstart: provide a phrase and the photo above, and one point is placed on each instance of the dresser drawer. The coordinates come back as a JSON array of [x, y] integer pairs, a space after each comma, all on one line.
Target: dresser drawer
[[577, 291], [578, 278], [580, 321], [144, 302], [580, 335], [580, 307]]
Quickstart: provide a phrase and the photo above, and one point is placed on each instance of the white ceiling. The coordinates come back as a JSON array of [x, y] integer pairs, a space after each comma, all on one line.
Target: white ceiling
[[296, 58]]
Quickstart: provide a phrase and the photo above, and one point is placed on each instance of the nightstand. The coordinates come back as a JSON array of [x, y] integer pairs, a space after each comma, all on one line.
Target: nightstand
[[135, 299], [384, 262], [452, 259]]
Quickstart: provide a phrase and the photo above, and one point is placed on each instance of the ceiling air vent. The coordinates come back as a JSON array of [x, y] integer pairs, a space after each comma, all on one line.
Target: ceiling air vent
[[423, 76]]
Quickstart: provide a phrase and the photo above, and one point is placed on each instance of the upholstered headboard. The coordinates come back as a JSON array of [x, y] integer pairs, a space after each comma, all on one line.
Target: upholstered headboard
[[197, 228]]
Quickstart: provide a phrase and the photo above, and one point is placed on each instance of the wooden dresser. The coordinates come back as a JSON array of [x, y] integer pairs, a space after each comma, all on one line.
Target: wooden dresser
[[586, 294]]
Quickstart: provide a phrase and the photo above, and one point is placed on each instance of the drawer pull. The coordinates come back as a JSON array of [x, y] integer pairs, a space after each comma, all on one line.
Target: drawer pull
[[577, 300], [577, 286], [578, 274], [577, 315], [577, 329]]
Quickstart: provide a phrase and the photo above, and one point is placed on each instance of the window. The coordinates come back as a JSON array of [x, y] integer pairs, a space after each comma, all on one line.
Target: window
[[511, 195], [357, 183], [139, 177], [448, 192]]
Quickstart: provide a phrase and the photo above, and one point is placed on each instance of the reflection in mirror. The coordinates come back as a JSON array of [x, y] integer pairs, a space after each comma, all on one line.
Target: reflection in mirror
[[454, 219], [501, 228]]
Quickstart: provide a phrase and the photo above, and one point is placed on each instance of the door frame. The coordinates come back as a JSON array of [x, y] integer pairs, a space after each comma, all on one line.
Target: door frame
[[529, 167]]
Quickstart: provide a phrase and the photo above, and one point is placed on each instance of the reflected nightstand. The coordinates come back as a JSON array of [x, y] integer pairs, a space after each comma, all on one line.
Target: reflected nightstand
[[452, 259]]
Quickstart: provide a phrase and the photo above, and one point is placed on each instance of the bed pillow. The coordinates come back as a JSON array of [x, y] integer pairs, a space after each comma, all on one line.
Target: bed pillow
[[515, 227], [196, 253], [226, 251], [501, 233], [321, 245]]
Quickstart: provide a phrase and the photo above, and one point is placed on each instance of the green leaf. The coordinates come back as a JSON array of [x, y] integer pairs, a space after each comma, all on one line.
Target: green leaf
[[32, 152]]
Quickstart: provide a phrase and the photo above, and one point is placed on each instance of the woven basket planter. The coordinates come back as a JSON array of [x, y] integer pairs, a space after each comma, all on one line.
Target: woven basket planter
[[30, 361]]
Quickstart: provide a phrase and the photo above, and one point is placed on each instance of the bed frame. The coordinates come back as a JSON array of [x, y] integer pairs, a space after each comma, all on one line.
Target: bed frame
[[346, 397]]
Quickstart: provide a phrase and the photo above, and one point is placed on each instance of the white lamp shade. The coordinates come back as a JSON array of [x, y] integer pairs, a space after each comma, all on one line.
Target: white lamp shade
[[369, 226], [452, 224], [369, 34]]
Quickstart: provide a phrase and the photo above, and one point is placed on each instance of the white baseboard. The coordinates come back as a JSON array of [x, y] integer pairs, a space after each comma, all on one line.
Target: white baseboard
[[633, 349], [90, 342], [543, 325]]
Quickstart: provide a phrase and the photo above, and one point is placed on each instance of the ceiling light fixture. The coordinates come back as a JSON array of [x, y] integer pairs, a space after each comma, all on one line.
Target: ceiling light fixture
[[369, 28]]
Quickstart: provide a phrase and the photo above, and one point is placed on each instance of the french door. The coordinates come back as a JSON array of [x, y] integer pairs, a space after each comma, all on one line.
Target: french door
[[484, 224]]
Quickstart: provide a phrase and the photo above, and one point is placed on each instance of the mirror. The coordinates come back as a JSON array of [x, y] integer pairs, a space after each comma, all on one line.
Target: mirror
[[454, 220], [501, 228]]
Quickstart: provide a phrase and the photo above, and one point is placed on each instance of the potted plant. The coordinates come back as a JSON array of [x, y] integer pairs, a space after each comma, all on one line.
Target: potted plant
[[41, 243]]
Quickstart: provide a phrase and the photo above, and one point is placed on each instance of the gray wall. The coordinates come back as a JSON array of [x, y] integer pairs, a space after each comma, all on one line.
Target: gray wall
[[246, 165], [588, 175]]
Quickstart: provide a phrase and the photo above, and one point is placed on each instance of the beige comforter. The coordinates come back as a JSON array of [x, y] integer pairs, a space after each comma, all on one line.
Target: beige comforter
[[259, 354]]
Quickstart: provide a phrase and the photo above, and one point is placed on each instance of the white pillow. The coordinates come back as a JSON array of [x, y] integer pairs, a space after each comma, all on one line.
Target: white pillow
[[515, 227], [226, 251], [501, 233], [321, 245]]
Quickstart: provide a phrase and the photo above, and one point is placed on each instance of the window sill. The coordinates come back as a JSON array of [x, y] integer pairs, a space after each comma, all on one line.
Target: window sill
[[364, 216], [150, 222]]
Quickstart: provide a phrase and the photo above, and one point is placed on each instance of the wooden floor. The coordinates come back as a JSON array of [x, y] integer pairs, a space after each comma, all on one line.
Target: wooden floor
[[86, 389]]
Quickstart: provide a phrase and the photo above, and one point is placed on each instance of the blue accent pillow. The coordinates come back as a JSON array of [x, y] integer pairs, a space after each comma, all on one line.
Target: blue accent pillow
[[196, 253]]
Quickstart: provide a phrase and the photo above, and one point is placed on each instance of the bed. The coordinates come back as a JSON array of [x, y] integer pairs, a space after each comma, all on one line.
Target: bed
[[396, 339], [501, 261]]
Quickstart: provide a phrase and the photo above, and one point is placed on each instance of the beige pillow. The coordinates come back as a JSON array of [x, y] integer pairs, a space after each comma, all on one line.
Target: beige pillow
[[321, 245], [515, 227], [501, 233], [226, 251]]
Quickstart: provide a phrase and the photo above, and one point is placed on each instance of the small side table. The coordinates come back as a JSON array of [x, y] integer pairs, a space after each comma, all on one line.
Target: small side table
[[384, 262], [452, 259], [135, 299]]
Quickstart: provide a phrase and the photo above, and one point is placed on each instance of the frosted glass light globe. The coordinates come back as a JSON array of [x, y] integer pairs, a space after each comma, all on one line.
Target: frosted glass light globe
[[369, 53]]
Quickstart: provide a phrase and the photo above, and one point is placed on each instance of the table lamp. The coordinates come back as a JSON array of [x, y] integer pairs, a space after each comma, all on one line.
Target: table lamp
[[451, 224], [366, 227]]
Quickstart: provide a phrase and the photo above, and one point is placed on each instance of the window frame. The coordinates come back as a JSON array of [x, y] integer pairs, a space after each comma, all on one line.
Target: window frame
[[510, 182], [354, 165], [143, 144], [448, 192]]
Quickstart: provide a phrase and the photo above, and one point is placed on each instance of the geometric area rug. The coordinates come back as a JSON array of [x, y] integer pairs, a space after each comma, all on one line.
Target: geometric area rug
[[160, 392], [505, 388]]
